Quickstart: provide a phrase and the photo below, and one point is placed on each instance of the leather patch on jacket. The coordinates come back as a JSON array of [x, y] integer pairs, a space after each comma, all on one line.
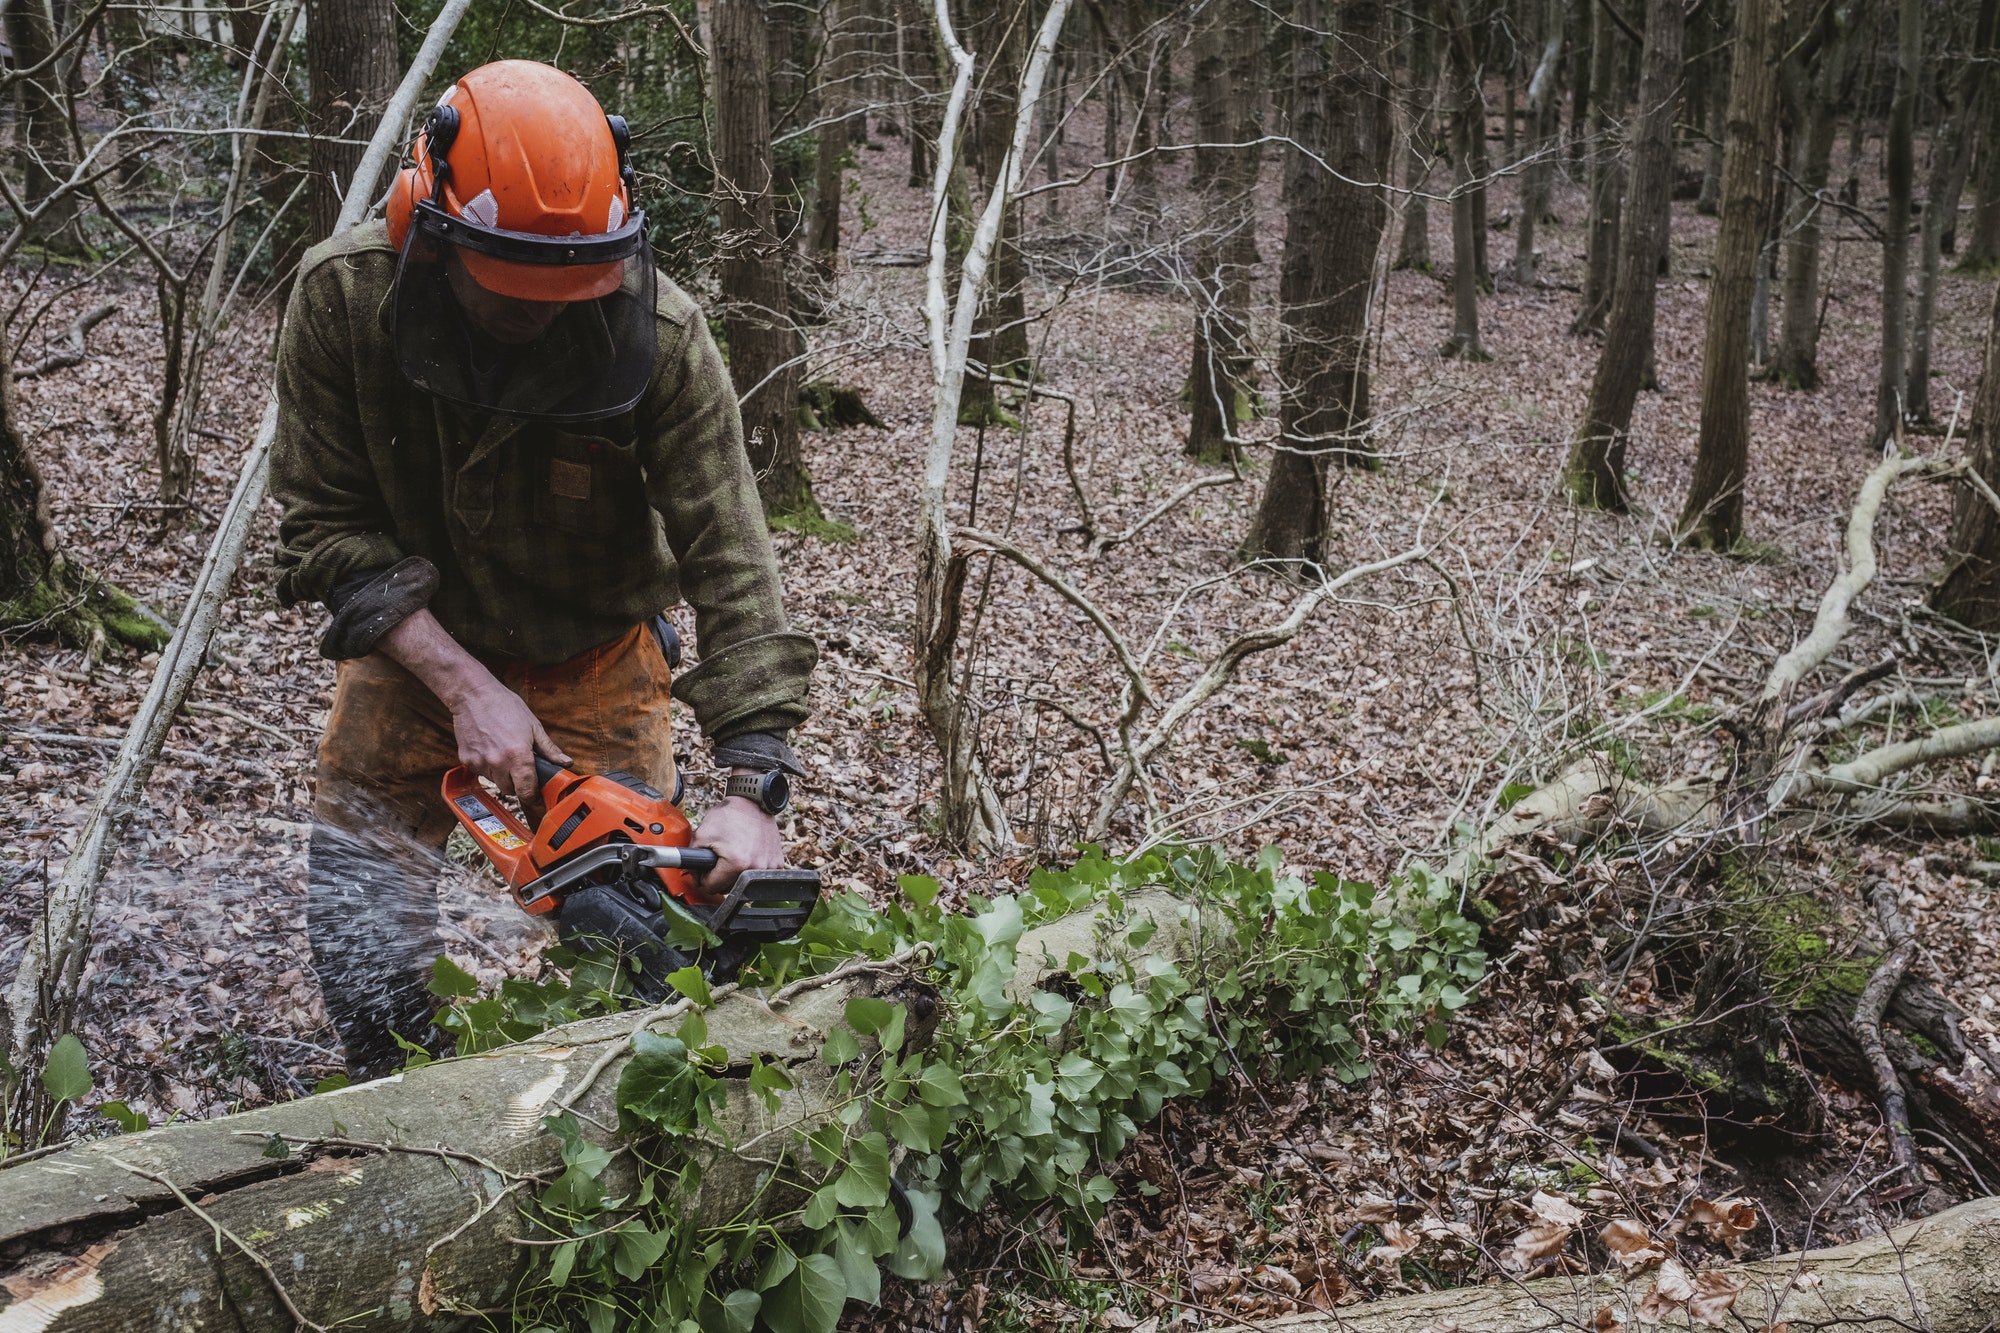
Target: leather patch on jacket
[[569, 480]]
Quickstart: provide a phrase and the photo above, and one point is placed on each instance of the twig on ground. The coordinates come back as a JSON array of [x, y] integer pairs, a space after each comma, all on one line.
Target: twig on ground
[[1875, 997], [72, 351]]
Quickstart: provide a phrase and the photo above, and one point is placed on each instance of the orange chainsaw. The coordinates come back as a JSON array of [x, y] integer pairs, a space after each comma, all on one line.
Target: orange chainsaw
[[610, 859]]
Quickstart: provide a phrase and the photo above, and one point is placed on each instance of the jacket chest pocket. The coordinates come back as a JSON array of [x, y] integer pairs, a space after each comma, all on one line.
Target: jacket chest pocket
[[587, 485]]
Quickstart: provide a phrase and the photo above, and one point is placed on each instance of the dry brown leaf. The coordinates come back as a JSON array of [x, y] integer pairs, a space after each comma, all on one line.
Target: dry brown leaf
[[1608, 1320], [427, 1299], [1726, 1220], [1630, 1244], [1669, 1292], [1538, 1242], [1715, 1291], [1372, 1208], [1549, 1208], [1397, 1241], [1805, 1280]]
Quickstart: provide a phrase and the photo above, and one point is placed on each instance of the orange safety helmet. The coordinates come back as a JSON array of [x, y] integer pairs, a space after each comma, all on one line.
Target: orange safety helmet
[[521, 171]]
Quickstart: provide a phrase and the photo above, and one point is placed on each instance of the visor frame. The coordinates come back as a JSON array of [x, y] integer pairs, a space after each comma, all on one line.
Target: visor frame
[[527, 247]]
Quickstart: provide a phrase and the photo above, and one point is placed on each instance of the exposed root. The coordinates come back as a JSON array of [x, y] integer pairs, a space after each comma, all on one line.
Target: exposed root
[[1868, 1012]]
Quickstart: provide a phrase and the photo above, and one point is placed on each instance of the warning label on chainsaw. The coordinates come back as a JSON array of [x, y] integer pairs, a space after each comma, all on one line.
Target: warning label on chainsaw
[[487, 822]]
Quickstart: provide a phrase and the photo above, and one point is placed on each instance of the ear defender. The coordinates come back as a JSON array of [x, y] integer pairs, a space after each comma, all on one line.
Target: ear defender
[[427, 173]]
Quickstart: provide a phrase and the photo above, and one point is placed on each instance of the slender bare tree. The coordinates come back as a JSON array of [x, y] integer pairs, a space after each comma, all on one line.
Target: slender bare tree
[[1901, 172], [1228, 96]]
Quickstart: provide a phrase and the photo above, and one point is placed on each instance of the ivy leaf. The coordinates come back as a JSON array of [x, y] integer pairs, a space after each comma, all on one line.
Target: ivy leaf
[[921, 890], [809, 1301], [658, 1086], [821, 1209], [840, 1048], [767, 1081], [1076, 1077], [857, 1268], [638, 1250], [739, 1311], [865, 1182], [565, 1259], [128, 1120], [892, 1036], [66, 1076], [919, 1255], [918, 1127], [867, 1015], [939, 1086], [449, 981], [690, 982]]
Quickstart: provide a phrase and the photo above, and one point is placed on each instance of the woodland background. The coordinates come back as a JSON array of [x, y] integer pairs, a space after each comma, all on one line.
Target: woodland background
[[1574, 326]]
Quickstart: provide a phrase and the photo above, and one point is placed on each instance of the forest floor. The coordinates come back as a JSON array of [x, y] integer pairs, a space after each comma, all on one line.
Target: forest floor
[[1415, 704]]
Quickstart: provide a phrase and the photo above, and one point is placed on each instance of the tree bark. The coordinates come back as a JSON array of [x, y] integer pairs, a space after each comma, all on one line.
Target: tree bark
[[1541, 143], [1817, 85], [351, 70], [1596, 473], [839, 110], [1969, 592], [756, 317], [1713, 514], [1421, 149], [1900, 150], [1715, 112], [421, 1154], [1000, 338], [1607, 171], [1468, 136], [1333, 230], [1941, 1274], [1982, 245], [43, 148], [1227, 98], [916, 50], [1950, 156]]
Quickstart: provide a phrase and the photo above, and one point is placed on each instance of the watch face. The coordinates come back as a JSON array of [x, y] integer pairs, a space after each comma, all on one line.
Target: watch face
[[777, 791]]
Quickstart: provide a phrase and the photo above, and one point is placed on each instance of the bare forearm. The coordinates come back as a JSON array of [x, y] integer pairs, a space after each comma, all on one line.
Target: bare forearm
[[425, 649]]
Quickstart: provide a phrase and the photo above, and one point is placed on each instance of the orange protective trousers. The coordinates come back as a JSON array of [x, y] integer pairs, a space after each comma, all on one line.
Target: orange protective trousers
[[380, 821]]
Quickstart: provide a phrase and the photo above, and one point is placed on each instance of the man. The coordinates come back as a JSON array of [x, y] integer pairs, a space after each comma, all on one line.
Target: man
[[505, 442]]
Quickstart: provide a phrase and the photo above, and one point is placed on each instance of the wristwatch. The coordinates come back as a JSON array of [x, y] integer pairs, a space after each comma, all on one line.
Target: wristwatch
[[771, 791]]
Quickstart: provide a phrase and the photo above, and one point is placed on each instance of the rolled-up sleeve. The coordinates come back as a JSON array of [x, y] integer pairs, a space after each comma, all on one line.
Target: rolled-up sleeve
[[336, 523], [755, 670]]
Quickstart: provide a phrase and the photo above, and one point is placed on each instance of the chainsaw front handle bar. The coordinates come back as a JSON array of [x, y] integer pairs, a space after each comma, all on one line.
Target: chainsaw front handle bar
[[631, 858]]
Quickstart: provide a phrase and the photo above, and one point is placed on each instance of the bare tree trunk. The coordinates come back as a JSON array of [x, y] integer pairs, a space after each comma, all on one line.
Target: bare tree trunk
[[916, 48], [1767, 262], [1951, 154], [1817, 85], [1969, 592], [351, 71], [1227, 97], [1468, 129], [1982, 246], [1715, 112], [1422, 149], [42, 130], [1713, 514], [1607, 172], [839, 110], [756, 308], [1333, 230], [1000, 338], [1541, 143], [1595, 476], [1901, 173]]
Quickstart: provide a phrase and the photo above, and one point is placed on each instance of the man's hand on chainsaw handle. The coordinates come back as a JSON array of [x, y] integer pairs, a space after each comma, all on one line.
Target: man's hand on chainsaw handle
[[743, 838], [497, 734]]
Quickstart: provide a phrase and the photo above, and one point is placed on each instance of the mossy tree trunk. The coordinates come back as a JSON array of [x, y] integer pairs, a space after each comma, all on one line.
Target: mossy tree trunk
[[1227, 98], [41, 593], [1333, 228], [1713, 514], [1596, 473], [42, 146], [763, 343], [1000, 339]]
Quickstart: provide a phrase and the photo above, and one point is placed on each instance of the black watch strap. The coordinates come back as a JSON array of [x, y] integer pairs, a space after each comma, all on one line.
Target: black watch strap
[[771, 791]]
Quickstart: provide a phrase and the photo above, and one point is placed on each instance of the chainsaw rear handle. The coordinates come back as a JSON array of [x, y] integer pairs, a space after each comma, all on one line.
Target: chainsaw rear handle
[[630, 857]]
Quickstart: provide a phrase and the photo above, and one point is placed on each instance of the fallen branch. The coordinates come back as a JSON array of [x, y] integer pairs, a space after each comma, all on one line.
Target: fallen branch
[[1866, 772], [1941, 1274], [1875, 997], [72, 351]]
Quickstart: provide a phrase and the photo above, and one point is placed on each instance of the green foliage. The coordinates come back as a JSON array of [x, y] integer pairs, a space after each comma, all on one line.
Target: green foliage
[[1016, 1099], [66, 1075]]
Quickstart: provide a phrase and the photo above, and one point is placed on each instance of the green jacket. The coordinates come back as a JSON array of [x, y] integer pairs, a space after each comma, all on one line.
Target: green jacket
[[537, 562]]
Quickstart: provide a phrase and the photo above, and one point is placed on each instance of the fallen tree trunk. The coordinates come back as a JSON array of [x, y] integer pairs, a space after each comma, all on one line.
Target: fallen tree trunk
[[1941, 1274], [404, 1195], [388, 1199]]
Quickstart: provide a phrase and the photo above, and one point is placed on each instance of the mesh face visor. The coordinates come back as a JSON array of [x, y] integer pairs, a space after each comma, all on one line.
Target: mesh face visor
[[555, 328]]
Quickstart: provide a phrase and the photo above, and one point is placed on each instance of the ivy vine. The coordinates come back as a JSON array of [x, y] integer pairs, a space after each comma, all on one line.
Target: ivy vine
[[1015, 1100]]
